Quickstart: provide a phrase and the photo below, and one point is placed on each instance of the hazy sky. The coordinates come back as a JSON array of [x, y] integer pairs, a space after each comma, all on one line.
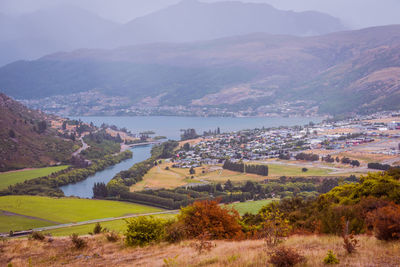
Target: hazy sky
[[354, 13]]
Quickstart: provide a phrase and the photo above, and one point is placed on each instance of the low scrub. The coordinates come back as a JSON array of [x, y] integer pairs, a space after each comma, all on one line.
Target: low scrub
[[37, 236], [78, 242], [144, 230], [331, 258], [112, 236], [285, 257]]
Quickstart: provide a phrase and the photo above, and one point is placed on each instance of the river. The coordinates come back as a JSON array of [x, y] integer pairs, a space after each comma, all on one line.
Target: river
[[84, 189], [169, 127]]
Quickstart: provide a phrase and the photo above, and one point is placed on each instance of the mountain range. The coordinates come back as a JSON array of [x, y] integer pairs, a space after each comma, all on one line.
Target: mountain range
[[65, 28], [350, 71]]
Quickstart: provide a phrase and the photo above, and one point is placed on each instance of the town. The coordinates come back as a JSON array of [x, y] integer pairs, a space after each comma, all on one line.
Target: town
[[374, 138]]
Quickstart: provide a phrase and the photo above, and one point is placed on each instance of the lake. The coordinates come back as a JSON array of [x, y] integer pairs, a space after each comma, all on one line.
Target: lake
[[169, 127]]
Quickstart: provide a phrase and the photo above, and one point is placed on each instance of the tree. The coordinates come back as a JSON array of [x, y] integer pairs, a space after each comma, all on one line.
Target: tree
[[304, 169], [274, 227], [42, 126], [209, 217], [228, 185], [100, 190], [186, 147], [64, 125], [355, 163]]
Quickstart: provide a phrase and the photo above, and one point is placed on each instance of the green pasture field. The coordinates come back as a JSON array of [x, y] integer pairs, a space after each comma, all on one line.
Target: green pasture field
[[66, 210], [252, 207], [14, 177]]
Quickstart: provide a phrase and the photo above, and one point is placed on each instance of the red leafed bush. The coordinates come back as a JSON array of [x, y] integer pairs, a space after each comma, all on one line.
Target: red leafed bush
[[209, 217], [386, 222], [285, 257]]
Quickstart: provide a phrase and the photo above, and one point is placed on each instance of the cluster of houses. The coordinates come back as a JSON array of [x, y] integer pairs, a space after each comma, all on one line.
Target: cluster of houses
[[261, 144]]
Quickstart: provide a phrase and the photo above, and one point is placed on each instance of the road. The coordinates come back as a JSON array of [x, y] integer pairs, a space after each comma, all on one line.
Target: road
[[84, 147]]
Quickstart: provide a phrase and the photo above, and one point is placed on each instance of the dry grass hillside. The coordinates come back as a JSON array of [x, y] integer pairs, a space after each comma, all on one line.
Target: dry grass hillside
[[100, 252], [25, 142]]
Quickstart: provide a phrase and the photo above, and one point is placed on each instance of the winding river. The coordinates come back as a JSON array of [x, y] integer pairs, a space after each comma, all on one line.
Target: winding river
[[84, 189], [169, 127]]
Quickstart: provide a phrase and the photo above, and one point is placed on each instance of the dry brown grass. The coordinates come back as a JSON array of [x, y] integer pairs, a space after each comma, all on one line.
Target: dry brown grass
[[99, 252]]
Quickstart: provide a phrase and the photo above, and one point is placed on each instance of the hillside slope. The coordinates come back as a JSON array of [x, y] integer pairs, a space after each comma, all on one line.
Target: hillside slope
[[25, 141], [352, 71]]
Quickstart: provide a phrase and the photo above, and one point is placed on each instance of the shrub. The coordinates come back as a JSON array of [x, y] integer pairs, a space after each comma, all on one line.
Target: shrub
[[37, 236], [274, 227], [331, 258], [97, 229], [387, 222], [208, 217], [143, 230], [175, 232], [112, 236], [78, 242], [203, 243], [350, 243], [285, 257]]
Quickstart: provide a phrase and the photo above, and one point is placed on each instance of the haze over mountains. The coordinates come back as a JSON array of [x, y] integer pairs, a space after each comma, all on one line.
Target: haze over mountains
[[352, 71], [65, 28]]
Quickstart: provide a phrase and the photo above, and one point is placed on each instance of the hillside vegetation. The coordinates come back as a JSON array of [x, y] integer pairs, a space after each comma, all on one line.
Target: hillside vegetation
[[206, 234], [26, 140]]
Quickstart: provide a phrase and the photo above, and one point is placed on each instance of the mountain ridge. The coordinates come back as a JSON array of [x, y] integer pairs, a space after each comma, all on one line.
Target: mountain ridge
[[67, 28], [275, 68]]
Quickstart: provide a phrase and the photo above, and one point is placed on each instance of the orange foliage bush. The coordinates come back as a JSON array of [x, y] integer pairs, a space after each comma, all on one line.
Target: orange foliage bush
[[285, 257], [386, 222], [208, 217]]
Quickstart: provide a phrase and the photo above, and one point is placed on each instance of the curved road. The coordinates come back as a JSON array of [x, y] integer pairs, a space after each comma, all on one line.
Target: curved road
[[84, 147]]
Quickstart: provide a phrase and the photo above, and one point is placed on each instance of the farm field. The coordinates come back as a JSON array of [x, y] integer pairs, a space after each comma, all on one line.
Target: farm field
[[252, 207], [289, 170], [275, 170], [65, 210], [9, 222], [14, 177], [159, 177]]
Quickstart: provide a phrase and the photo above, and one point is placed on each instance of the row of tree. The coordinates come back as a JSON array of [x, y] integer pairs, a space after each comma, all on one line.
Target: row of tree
[[248, 168], [307, 157], [378, 166]]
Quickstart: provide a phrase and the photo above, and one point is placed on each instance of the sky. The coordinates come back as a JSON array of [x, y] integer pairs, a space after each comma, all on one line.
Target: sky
[[353, 13]]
